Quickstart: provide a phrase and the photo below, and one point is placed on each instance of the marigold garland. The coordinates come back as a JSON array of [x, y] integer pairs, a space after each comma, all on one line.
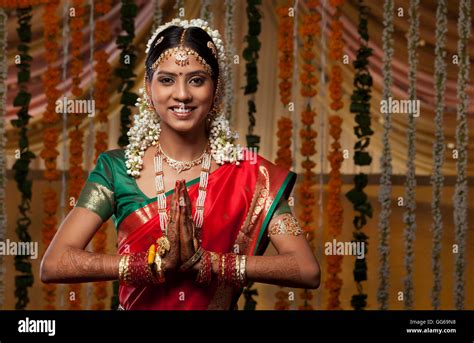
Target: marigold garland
[[285, 73], [285, 125], [308, 32], [22, 3], [76, 172], [3, 163], [102, 36], [334, 205], [51, 81]]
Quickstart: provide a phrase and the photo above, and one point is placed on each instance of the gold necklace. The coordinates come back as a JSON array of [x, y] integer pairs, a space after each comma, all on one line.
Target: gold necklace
[[181, 165]]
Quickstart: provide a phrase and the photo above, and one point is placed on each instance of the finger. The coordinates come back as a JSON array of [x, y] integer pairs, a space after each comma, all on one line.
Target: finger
[[188, 212], [183, 230], [173, 202]]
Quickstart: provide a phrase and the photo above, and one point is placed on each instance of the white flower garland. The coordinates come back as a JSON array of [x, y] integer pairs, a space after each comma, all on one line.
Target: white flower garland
[[229, 41], [409, 217], [145, 130], [437, 178], [462, 135], [157, 15], [385, 191], [3, 108], [206, 13]]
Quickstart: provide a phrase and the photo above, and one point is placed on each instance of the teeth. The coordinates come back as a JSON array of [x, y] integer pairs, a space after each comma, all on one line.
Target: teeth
[[181, 110]]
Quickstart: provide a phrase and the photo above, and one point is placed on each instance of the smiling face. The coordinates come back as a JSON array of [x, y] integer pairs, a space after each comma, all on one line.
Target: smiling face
[[181, 95]]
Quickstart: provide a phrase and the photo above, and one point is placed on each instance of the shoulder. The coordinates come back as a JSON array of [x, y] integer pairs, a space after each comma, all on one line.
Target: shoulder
[[114, 154], [254, 164]]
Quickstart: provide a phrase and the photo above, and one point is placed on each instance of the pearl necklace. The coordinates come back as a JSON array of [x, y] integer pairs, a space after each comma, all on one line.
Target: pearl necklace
[[181, 165], [161, 196]]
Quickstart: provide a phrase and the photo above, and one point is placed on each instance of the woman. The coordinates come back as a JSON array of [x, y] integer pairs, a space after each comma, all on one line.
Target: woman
[[193, 214]]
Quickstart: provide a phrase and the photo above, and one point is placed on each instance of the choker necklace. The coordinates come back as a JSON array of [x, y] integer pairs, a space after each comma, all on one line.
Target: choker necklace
[[181, 165]]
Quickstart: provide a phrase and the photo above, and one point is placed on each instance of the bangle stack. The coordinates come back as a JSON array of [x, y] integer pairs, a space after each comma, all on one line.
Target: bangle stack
[[134, 269], [143, 268], [231, 269]]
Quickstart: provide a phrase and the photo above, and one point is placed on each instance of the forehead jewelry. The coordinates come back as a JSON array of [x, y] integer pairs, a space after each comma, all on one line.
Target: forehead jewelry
[[181, 55]]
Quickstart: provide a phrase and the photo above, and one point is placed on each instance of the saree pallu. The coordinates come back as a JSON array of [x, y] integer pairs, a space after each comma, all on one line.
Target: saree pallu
[[239, 204]]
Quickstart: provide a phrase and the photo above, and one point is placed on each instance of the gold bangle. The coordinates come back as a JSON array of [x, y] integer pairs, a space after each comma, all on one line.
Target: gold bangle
[[122, 268], [124, 275], [192, 261], [160, 275], [243, 265]]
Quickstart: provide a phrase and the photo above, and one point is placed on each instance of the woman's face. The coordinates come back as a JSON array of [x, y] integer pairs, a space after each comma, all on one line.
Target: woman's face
[[182, 95]]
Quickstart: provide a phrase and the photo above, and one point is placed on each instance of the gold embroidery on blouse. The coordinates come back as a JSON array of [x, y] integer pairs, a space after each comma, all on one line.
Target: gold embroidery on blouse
[[286, 225]]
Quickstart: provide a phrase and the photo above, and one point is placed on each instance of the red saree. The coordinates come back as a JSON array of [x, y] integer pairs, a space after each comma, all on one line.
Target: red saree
[[239, 204]]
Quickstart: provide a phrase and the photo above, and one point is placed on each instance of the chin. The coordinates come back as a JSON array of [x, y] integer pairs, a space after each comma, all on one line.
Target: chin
[[184, 126]]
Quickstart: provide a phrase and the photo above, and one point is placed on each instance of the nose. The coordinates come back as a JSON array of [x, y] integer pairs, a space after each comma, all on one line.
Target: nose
[[182, 93]]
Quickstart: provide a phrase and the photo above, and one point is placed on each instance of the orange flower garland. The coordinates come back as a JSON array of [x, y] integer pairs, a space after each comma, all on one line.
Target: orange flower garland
[[76, 172], [285, 125], [102, 36], [285, 73], [308, 32], [49, 154], [334, 206], [23, 3]]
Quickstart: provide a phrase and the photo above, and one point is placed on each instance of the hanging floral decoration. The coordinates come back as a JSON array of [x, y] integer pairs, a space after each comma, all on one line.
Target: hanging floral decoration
[[102, 68], [285, 125], [385, 189], [157, 16], [76, 171], [437, 178], [308, 32], [251, 55], [21, 167], [3, 165], [360, 105], [334, 205], [206, 11], [22, 3], [231, 52], [128, 59], [50, 153], [460, 198], [285, 74], [409, 217]]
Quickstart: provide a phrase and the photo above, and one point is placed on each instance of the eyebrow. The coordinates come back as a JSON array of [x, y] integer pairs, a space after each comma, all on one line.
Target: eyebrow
[[192, 73]]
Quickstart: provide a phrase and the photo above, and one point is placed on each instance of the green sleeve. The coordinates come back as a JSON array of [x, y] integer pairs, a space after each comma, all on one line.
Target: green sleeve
[[282, 207], [98, 192]]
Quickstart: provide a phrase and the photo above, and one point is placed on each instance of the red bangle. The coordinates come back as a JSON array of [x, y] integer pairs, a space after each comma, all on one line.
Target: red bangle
[[138, 271]]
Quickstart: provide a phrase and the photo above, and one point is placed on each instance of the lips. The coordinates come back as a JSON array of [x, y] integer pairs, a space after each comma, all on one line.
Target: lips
[[182, 112]]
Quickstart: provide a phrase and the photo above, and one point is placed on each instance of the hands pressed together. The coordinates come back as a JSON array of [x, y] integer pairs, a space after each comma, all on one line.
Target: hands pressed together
[[181, 230], [178, 252]]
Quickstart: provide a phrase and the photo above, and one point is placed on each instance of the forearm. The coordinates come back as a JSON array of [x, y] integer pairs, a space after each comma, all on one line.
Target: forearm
[[282, 270], [76, 265]]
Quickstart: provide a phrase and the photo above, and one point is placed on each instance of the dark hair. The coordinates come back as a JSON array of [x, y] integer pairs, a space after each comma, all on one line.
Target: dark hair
[[194, 38]]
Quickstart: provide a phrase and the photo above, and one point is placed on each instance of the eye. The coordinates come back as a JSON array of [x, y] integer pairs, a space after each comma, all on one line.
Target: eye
[[165, 80], [197, 81]]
